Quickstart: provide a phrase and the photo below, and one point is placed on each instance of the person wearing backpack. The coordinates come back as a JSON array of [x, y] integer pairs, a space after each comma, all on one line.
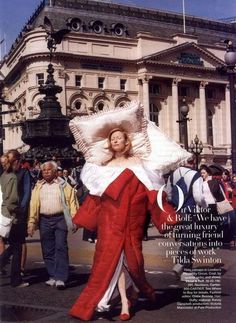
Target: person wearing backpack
[[189, 181]]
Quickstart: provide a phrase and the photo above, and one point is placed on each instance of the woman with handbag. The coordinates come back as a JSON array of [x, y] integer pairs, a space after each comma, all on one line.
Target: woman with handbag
[[9, 227], [216, 201]]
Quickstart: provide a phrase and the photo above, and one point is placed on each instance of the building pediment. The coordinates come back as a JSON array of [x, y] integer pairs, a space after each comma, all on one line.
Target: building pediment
[[187, 55]]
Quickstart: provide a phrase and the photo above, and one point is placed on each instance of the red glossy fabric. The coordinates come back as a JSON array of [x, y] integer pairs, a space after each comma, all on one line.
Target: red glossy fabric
[[88, 213], [119, 216], [234, 198]]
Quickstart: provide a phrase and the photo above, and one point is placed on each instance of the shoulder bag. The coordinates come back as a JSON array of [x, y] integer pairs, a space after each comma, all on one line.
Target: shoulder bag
[[5, 222], [5, 226], [223, 206]]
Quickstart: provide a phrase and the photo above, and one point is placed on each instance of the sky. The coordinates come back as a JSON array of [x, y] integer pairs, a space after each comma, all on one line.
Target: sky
[[15, 13]]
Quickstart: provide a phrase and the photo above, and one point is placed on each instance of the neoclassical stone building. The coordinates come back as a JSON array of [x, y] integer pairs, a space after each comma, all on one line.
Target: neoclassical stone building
[[115, 54]]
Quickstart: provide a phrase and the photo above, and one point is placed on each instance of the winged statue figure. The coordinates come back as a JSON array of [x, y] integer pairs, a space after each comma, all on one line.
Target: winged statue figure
[[53, 37]]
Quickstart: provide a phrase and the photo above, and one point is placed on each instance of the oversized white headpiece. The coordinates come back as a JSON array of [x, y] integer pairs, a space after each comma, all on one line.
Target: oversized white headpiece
[[149, 143]]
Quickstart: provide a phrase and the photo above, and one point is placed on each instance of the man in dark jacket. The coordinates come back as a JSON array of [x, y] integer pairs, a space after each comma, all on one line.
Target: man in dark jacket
[[193, 197]]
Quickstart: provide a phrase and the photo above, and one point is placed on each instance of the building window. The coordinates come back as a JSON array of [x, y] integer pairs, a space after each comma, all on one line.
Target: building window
[[121, 104], [40, 78], [118, 29], [101, 81], [181, 125], [3, 135], [154, 113], [122, 84], [100, 106], [96, 26], [183, 91], [209, 127], [209, 93], [78, 79], [154, 88], [78, 105]]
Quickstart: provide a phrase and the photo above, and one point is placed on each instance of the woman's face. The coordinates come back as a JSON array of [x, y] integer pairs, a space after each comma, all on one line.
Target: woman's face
[[118, 141], [225, 177], [5, 162], [204, 174]]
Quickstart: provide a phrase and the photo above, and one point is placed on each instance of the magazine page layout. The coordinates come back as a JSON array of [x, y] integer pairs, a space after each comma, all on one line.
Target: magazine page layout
[[118, 161]]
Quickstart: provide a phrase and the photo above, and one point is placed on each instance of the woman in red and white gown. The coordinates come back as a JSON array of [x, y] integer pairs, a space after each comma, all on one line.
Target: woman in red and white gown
[[121, 193]]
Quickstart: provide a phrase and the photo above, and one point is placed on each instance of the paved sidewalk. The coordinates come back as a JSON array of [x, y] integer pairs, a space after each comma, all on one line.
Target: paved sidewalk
[[39, 303], [81, 252]]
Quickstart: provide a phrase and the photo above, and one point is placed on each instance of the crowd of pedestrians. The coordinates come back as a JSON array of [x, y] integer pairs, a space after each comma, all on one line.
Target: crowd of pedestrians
[[20, 178], [45, 196], [37, 196]]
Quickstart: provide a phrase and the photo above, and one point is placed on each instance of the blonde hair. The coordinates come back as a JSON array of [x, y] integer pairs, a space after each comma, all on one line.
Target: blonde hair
[[6, 165], [128, 144]]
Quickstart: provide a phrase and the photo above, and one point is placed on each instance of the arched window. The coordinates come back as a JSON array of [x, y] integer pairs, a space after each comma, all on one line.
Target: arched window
[[100, 105], [154, 113], [78, 105], [121, 104]]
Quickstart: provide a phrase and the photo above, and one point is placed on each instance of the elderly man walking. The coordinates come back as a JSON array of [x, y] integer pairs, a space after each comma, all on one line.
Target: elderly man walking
[[51, 207]]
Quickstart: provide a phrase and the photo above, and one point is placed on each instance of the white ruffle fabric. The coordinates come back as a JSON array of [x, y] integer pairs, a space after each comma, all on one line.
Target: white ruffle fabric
[[149, 143], [166, 155], [103, 304], [91, 132], [97, 178]]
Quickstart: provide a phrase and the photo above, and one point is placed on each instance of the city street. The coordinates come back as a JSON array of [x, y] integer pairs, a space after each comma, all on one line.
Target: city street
[[39, 303], [109, 98]]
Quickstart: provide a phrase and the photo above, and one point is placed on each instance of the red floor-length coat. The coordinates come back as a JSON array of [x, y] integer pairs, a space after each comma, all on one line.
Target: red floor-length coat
[[118, 216]]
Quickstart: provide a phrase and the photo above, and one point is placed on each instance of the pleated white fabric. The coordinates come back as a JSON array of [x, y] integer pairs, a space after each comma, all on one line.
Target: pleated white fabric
[[97, 178]]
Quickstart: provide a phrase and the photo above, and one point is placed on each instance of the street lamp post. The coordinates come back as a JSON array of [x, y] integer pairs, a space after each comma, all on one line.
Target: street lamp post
[[230, 60], [196, 148], [184, 110]]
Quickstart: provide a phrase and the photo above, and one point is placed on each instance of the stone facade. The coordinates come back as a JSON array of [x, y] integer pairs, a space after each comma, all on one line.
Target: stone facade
[[115, 54]]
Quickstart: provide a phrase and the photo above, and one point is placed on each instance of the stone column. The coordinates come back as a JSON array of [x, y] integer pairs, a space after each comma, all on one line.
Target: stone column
[[140, 90], [227, 115], [175, 110], [146, 101], [203, 113]]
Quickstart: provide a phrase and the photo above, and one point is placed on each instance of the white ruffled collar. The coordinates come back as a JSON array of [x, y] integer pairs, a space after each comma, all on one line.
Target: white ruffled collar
[[98, 178]]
